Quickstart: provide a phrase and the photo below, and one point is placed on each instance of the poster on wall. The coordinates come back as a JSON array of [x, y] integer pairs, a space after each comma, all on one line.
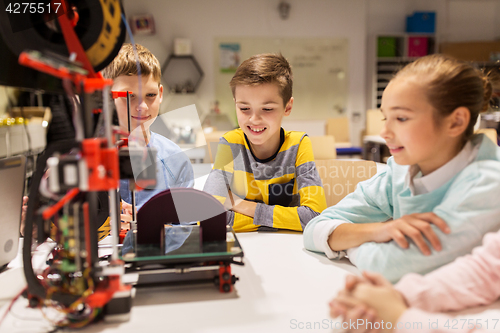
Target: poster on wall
[[229, 57]]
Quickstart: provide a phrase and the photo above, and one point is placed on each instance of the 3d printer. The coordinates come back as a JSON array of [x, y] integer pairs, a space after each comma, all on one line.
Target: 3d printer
[[173, 243]]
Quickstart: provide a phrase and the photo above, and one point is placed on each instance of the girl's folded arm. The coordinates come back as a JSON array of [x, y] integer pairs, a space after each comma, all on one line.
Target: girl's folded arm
[[349, 235]]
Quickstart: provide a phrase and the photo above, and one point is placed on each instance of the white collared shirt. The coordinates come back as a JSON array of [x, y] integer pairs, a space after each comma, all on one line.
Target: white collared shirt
[[419, 184]]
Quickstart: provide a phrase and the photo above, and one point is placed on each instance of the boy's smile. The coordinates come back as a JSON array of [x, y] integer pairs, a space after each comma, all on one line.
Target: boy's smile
[[257, 130], [259, 110]]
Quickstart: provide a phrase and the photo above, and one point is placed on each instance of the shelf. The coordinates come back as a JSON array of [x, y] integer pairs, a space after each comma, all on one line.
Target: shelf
[[410, 45], [182, 74], [393, 52]]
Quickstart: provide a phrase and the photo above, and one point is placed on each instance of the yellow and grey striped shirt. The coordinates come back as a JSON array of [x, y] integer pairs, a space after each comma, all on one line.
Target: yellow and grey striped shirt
[[286, 186]]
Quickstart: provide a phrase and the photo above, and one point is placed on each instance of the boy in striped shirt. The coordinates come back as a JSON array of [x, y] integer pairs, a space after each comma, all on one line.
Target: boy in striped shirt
[[265, 176]]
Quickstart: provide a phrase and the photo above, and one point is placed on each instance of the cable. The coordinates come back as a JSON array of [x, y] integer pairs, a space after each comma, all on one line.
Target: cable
[[11, 304], [34, 286], [75, 107], [139, 77], [137, 62], [28, 136]]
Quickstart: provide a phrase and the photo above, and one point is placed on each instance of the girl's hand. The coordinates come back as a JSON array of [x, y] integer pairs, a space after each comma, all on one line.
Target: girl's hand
[[372, 299], [415, 226], [358, 318], [381, 296], [351, 282]]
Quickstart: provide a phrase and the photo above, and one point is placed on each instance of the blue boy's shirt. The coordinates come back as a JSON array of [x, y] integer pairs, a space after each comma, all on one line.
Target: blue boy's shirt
[[468, 203], [173, 169]]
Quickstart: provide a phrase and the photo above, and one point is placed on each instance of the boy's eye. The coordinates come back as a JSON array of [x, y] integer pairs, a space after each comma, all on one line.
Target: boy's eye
[[151, 95], [244, 109], [268, 109], [402, 119]]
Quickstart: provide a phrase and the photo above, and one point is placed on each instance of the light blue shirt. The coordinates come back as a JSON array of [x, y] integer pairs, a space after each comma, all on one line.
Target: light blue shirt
[[173, 169], [468, 203]]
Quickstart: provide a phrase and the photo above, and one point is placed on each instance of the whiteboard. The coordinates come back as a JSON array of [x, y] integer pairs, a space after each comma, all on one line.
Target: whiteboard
[[319, 67]]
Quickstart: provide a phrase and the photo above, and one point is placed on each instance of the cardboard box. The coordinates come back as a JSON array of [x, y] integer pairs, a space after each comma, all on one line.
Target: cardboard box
[[471, 51]]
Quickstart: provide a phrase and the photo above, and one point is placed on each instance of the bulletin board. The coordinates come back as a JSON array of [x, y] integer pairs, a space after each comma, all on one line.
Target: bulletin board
[[319, 67]]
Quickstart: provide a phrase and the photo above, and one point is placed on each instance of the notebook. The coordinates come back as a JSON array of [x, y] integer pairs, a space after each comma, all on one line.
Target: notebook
[[12, 176]]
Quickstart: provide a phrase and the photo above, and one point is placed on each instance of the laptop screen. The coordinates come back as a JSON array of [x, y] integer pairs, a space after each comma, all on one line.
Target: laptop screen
[[12, 176]]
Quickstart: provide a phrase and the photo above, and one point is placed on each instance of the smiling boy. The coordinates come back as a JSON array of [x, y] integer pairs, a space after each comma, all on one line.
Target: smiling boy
[[173, 166], [265, 176]]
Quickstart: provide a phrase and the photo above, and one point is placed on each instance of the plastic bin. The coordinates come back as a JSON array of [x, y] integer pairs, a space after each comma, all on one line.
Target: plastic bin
[[421, 22], [418, 46], [386, 47]]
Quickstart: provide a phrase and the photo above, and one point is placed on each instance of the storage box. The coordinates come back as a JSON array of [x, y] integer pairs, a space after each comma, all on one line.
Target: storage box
[[471, 51], [418, 46], [421, 22], [386, 47]]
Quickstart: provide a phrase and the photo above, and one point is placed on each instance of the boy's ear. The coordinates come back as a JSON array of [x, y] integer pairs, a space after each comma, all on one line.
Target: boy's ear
[[288, 107], [458, 121], [160, 91]]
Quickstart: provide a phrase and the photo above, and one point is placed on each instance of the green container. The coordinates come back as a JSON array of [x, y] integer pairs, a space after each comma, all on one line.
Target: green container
[[386, 47]]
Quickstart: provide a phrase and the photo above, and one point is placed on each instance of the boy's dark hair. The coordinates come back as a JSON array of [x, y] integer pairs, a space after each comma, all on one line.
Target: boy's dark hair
[[450, 83], [125, 63], [265, 68]]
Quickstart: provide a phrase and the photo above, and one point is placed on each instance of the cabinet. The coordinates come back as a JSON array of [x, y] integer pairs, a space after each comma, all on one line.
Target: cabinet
[[182, 74], [393, 52]]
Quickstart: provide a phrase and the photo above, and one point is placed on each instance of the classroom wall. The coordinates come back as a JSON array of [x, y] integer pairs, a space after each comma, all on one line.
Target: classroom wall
[[202, 21], [358, 20], [456, 20]]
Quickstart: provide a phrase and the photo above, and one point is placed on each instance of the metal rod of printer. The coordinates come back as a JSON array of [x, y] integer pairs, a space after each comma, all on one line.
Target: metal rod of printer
[[111, 192]]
